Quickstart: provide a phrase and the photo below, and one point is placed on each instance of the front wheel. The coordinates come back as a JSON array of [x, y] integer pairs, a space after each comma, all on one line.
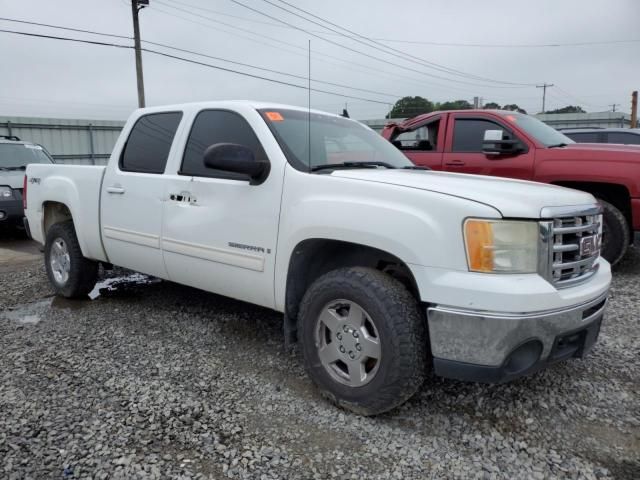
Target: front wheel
[[70, 273], [615, 233], [364, 339]]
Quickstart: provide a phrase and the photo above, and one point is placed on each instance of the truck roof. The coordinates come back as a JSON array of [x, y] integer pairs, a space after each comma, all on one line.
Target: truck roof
[[258, 105], [425, 116]]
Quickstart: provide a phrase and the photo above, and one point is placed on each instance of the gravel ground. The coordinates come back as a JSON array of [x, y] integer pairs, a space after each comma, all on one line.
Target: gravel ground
[[156, 380]]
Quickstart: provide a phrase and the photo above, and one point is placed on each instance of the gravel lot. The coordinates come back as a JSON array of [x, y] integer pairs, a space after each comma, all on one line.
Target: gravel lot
[[156, 380]]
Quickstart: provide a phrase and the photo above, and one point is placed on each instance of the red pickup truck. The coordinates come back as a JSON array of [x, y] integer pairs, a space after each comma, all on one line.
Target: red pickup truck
[[510, 144]]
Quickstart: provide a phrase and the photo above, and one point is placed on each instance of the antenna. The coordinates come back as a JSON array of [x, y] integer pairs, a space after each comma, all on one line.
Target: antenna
[[309, 109]]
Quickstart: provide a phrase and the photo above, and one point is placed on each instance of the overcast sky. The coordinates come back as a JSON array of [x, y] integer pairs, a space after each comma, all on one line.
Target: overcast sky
[[42, 77]]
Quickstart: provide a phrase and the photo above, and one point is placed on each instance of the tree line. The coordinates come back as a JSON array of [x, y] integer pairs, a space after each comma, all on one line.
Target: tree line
[[412, 106]]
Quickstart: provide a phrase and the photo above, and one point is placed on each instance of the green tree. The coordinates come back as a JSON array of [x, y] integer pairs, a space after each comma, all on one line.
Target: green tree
[[492, 106], [567, 109], [514, 108], [454, 105], [410, 107]]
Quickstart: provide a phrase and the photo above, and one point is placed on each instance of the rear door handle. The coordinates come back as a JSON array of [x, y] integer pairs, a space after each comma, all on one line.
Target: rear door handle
[[115, 189], [455, 163]]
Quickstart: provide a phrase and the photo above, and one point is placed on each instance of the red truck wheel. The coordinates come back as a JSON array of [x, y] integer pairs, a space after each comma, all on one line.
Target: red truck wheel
[[615, 233]]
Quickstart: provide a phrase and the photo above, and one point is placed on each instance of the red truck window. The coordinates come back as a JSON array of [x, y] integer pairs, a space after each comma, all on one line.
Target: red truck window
[[423, 138], [468, 134]]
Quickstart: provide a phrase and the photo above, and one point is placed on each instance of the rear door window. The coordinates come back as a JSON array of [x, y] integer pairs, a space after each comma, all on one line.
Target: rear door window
[[149, 143], [423, 138]]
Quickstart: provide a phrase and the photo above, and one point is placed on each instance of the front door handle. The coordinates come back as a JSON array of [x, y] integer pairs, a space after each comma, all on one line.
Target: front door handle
[[115, 189], [184, 196], [455, 163]]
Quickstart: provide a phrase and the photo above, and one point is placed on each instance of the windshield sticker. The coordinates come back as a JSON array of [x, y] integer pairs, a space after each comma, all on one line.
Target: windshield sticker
[[33, 147], [274, 116]]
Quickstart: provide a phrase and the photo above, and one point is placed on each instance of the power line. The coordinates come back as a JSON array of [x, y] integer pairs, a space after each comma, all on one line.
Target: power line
[[303, 87], [323, 56], [175, 57], [68, 39], [14, 20], [300, 77], [364, 53], [356, 36], [432, 43], [420, 82], [504, 45], [91, 32]]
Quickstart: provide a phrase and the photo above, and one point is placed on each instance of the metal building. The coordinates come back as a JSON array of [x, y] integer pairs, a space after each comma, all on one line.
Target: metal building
[[586, 120], [84, 142]]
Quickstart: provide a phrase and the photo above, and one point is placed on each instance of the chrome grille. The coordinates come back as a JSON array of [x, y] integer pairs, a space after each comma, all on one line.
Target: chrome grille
[[572, 244]]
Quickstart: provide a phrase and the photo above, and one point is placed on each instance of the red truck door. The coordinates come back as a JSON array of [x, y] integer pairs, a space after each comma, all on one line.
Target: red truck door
[[424, 144], [463, 148]]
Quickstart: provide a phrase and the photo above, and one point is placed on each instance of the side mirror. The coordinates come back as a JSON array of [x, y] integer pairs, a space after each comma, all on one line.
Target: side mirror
[[231, 157], [493, 144]]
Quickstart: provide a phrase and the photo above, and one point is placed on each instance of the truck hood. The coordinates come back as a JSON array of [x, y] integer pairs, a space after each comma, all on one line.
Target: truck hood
[[631, 151], [512, 198], [12, 178]]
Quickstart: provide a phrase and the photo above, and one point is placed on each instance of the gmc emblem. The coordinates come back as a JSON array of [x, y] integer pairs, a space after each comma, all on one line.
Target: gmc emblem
[[588, 245]]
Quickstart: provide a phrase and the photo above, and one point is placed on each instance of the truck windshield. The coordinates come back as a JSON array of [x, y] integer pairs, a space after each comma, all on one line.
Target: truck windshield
[[334, 141], [548, 136], [19, 155]]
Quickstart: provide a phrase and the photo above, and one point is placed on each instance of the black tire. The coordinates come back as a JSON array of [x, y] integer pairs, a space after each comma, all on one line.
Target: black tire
[[401, 330], [82, 272], [615, 233]]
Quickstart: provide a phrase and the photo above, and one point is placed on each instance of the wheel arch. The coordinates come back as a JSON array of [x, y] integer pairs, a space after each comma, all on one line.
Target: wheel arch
[[616, 194], [312, 258], [54, 212]]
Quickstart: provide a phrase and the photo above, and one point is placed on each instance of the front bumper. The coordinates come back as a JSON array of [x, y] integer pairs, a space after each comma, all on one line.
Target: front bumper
[[495, 347]]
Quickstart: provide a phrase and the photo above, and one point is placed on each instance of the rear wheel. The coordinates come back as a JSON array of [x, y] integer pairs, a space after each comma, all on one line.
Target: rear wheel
[[364, 339], [615, 233], [70, 273]]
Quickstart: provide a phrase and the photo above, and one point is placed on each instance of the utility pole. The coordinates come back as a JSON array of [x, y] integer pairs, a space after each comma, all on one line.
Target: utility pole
[[136, 6], [544, 87], [634, 109], [613, 106]]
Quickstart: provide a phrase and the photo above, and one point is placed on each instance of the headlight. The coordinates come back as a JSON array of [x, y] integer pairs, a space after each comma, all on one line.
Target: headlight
[[6, 193], [501, 246]]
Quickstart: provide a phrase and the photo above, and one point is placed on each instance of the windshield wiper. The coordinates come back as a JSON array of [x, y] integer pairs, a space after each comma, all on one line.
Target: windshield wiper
[[17, 167], [415, 167], [557, 145], [329, 166]]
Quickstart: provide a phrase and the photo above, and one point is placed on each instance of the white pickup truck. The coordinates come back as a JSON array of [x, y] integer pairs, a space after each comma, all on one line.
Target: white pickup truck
[[383, 271]]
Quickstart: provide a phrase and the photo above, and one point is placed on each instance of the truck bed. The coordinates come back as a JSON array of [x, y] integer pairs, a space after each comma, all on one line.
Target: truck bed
[[78, 188]]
